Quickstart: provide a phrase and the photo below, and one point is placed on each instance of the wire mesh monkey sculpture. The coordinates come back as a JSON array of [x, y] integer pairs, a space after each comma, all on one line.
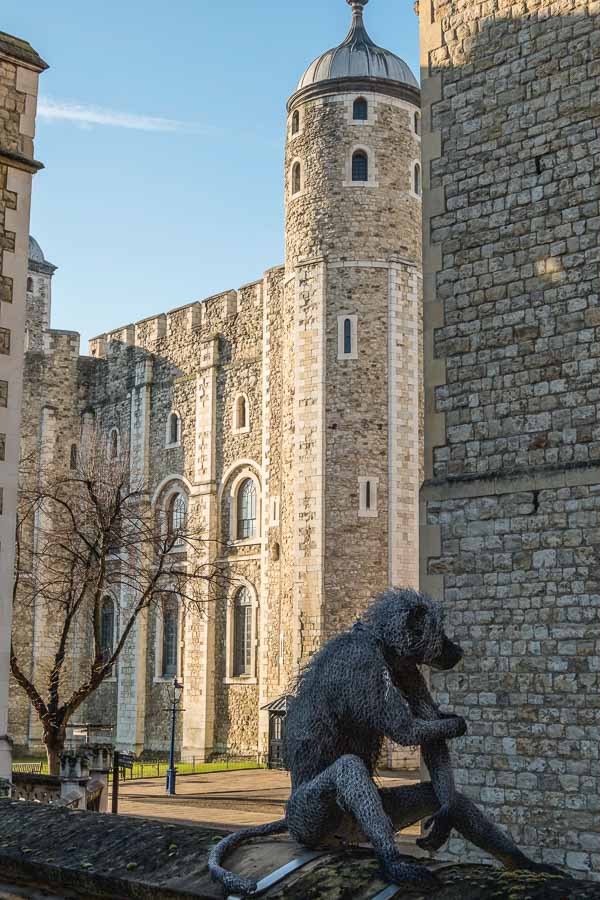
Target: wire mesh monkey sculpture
[[363, 686]]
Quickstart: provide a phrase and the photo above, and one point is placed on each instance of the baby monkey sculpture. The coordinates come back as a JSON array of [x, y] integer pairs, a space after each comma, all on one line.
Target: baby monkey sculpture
[[365, 685]]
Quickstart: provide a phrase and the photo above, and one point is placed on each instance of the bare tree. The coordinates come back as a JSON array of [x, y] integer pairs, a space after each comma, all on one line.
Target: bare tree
[[86, 533]]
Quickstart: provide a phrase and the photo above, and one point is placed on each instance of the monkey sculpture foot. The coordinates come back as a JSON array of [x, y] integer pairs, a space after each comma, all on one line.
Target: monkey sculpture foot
[[400, 872]]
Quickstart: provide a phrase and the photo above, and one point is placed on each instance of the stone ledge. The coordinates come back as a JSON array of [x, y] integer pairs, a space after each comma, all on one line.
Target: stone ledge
[[86, 855]]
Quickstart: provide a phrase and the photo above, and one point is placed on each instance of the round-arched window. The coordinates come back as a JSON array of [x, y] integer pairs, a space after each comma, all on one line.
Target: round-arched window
[[360, 166], [360, 111], [296, 122], [417, 179], [242, 633], [177, 518], [174, 428], [246, 510]]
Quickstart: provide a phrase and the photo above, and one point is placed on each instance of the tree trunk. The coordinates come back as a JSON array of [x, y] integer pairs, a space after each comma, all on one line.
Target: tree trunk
[[55, 745]]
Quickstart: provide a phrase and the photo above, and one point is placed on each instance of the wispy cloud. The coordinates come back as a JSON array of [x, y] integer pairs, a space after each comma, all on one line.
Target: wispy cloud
[[88, 116]]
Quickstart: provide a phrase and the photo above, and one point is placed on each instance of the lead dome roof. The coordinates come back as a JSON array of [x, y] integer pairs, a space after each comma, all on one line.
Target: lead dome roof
[[358, 57]]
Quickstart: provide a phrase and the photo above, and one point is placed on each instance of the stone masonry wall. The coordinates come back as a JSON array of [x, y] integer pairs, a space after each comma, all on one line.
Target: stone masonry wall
[[511, 504]]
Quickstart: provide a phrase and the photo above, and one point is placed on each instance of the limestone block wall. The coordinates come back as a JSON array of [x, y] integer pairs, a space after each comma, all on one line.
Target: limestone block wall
[[353, 249], [510, 509], [20, 67]]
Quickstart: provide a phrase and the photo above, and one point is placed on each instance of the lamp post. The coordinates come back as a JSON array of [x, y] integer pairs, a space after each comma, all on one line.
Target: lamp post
[[172, 771]]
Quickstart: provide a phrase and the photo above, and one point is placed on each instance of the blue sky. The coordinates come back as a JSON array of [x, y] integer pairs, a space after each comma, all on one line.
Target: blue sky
[[161, 127]]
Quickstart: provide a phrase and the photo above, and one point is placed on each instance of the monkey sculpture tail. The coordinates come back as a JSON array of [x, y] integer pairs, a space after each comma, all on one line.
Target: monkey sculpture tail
[[233, 883]]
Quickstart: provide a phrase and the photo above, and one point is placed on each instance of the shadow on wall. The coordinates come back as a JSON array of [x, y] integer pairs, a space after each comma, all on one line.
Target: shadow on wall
[[516, 106]]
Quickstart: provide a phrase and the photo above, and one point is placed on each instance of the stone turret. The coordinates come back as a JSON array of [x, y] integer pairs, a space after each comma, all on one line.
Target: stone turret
[[353, 289], [39, 296]]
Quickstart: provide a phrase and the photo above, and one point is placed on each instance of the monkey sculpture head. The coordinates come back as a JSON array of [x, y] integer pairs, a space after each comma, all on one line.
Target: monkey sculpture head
[[411, 625]]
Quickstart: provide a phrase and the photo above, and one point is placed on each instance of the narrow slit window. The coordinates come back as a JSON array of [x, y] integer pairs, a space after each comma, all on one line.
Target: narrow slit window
[[73, 457], [360, 110], [170, 638], [114, 444], [30, 285], [174, 428], [368, 497], [347, 336], [417, 123], [296, 122], [417, 180], [107, 628], [360, 166], [296, 178], [4, 394]]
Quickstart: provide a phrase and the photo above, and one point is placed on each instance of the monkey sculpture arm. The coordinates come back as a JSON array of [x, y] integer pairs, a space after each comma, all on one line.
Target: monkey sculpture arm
[[435, 755], [397, 721]]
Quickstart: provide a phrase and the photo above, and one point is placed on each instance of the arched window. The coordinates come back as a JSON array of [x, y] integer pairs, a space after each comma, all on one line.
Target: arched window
[[173, 429], [361, 110], [73, 457], [360, 166], [30, 285], [296, 122], [347, 336], [170, 637], [417, 123], [246, 510], [242, 633], [417, 179], [114, 444], [177, 518], [241, 416], [296, 178], [107, 628]]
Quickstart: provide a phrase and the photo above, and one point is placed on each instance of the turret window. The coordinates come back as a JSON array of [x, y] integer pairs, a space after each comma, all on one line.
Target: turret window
[[360, 166], [416, 185], [360, 110], [347, 337], [30, 285], [417, 123], [296, 122], [296, 178]]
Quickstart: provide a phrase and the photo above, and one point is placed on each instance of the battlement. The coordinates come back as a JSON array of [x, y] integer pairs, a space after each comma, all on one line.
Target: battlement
[[58, 340], [201, 315]]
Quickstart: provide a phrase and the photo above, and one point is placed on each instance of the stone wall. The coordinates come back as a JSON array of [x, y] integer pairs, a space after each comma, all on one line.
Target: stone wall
[[511, 503], [20, 66]]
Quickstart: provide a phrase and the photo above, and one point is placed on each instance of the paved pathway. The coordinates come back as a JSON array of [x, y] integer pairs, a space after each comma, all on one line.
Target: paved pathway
[[228, 800]]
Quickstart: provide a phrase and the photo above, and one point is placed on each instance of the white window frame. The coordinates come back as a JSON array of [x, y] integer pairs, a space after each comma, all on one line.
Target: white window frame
[[159, 678], [252, 677], [354, 336], [372, 168], [364, 511], [233, 510], [300, 193], [168, 443], [245, 429], [415, 163]]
